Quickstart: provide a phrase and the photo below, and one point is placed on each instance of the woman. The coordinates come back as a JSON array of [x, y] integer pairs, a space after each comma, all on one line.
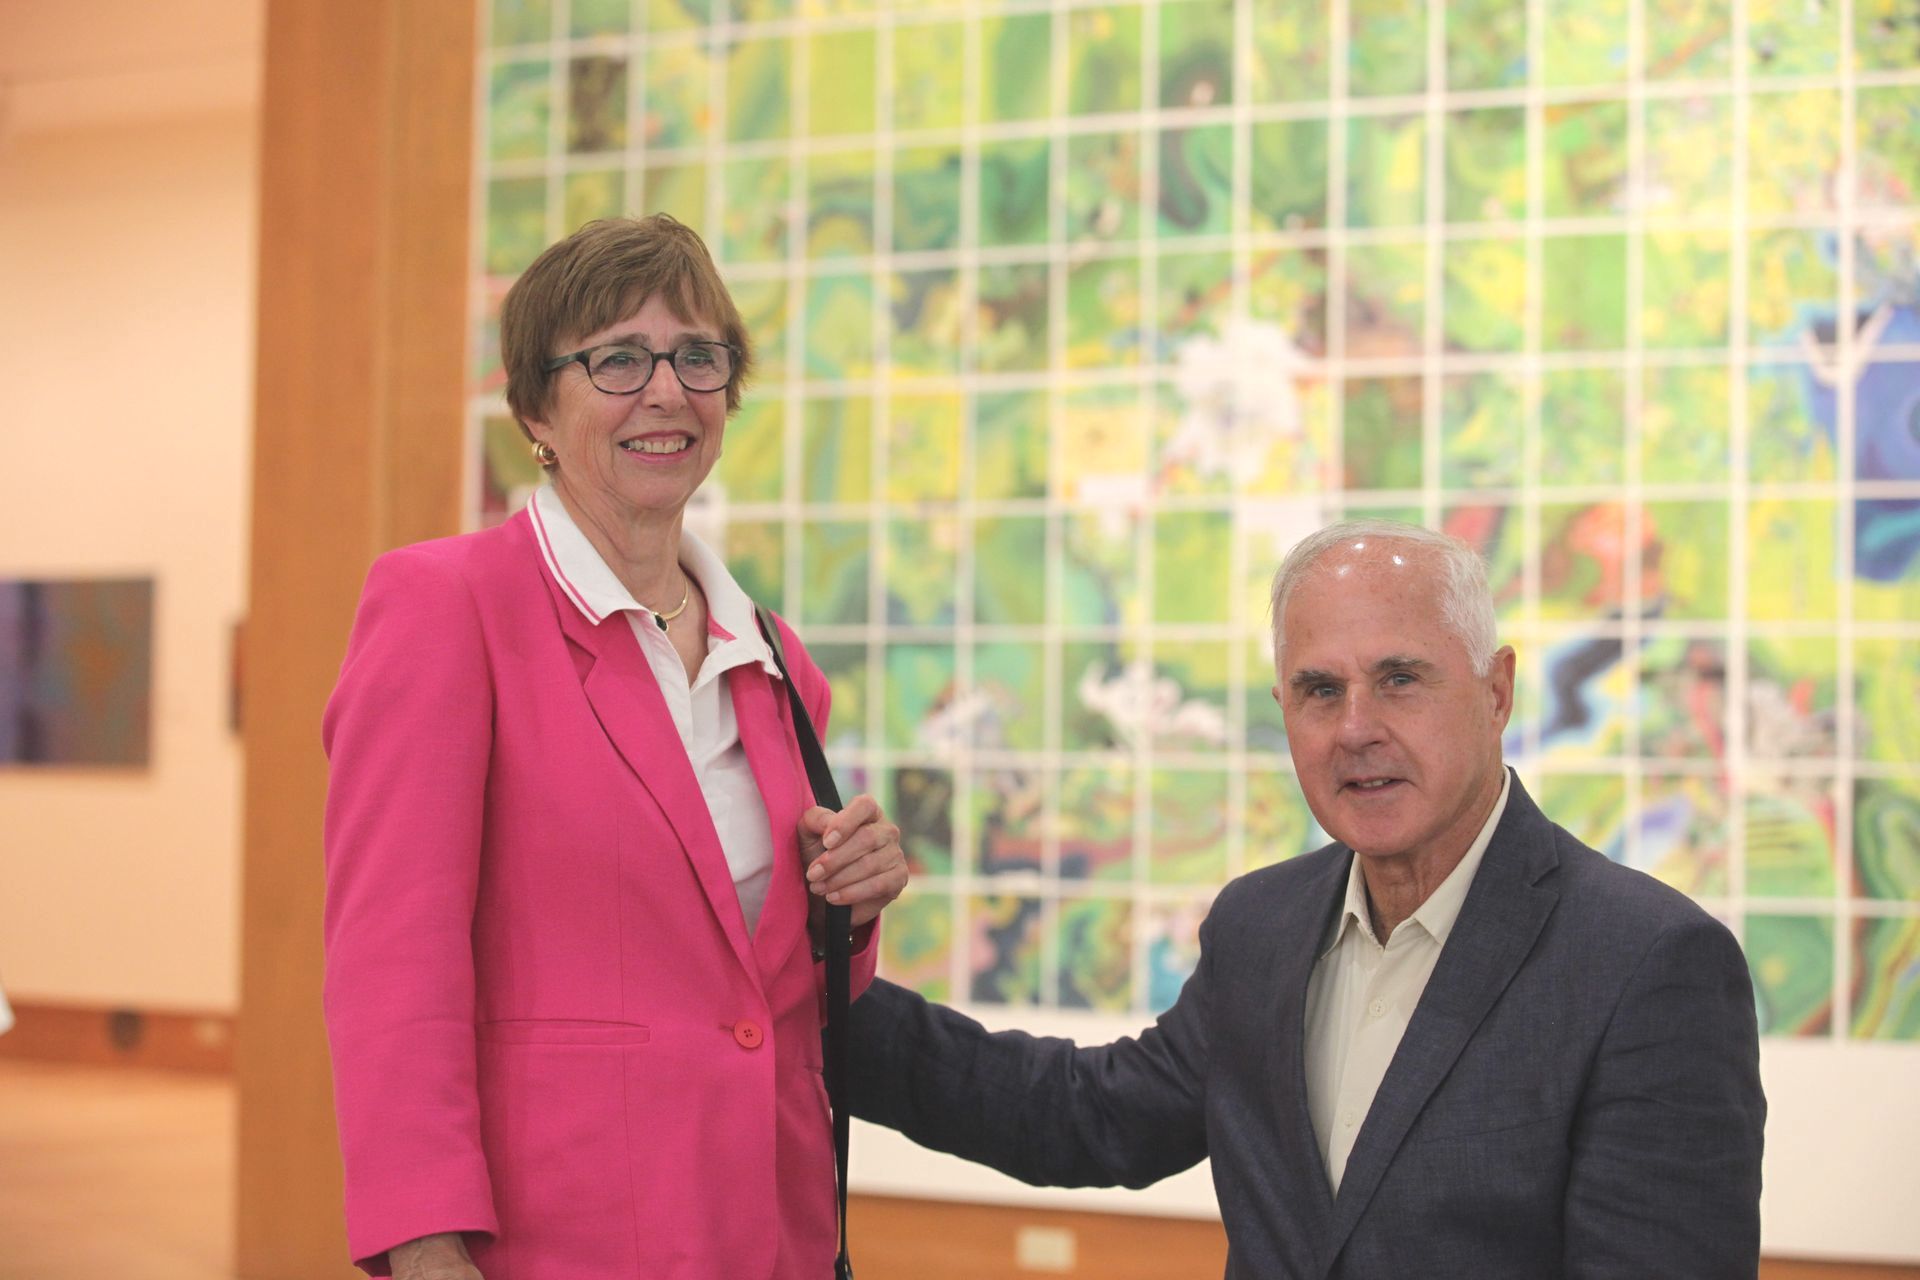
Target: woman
[[574, 1013]]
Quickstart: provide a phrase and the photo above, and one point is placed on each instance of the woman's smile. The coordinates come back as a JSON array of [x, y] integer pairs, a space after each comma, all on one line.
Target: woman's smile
[[658, 447]]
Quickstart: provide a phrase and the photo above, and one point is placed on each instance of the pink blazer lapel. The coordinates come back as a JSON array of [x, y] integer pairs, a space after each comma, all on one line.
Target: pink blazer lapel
[[760, 708], [626, 699]]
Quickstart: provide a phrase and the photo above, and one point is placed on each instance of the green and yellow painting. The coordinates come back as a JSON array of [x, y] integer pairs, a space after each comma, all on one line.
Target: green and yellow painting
[[1072, 315]]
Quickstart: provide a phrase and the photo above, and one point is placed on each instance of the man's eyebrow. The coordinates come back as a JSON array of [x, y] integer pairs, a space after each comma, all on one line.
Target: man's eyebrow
[[1307, 677]]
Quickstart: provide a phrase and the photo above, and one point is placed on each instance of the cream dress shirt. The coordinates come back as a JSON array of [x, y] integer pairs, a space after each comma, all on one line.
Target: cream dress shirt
[[702, 712], [1362, 994]]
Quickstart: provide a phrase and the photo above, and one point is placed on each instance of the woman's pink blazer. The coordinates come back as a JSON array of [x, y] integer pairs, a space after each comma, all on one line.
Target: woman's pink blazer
[[550, 1027]]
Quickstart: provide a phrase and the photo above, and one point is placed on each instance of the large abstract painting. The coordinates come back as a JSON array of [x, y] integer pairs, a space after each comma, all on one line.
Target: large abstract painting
[[76, 671], [1072, 316]]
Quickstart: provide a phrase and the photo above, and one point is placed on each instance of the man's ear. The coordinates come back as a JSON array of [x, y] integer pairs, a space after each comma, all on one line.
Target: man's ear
[[1500, 676]]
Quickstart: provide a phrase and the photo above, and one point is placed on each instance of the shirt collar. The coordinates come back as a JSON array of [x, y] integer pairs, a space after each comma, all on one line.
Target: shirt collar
[[1442, 908], [1353, 911], [598, 593]]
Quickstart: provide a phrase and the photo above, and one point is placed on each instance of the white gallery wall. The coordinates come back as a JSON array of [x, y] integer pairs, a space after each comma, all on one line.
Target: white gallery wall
[[128, 144]]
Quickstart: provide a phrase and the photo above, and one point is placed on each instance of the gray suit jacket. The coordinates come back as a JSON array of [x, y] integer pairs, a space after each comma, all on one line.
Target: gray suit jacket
[[1577, 1093]]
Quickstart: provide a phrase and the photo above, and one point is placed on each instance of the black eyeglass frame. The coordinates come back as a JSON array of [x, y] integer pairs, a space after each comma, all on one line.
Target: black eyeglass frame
[[580, 357]]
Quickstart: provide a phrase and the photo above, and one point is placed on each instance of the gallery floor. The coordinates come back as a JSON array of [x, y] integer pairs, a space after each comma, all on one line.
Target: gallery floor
[[109, 1172], [116, 1172]]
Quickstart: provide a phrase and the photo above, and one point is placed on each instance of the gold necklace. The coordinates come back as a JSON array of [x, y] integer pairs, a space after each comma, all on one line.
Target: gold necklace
[[686, 593]]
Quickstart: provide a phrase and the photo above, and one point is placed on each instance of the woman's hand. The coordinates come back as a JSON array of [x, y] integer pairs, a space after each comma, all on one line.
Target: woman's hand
[[853, 857], [441, 1257]]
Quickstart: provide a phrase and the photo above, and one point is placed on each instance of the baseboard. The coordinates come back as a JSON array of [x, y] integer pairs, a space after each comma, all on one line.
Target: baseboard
[[1811, 1269], [98, 1036], [905, 1239]]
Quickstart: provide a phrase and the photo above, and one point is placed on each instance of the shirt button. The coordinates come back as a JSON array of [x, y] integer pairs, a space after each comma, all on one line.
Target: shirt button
[[1378, 1009], [747, 1034], [1346, 1118]]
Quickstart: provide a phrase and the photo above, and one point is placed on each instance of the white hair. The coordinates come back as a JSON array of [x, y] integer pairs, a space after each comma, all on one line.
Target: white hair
[[1466, 603]]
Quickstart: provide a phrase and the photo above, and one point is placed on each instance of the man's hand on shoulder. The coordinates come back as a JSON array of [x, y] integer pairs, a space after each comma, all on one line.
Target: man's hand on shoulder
[[437, 1257]]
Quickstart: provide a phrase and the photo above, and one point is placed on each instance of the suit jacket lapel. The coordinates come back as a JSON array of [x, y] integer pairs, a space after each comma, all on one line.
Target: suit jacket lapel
[[626, 699], [1301, 938], [1503, 914]]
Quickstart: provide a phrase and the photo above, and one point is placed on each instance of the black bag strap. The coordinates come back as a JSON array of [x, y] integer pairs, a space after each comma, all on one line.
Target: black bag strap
[[839, 939]]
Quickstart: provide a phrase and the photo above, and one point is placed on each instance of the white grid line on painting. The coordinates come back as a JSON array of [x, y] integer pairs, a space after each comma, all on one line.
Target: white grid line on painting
[[1533, 329], [1150, 215], [1433, 312], [1737, 507], [1846, 428], [1635, 499]]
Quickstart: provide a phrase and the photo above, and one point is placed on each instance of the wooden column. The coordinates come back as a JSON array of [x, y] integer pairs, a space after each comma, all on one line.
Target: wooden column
[[366, 142]]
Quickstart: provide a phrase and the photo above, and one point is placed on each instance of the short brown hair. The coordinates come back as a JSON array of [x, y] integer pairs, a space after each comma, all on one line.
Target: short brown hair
[[601, 273]]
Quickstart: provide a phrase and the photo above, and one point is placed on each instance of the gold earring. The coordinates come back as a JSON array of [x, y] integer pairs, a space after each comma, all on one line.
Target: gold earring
[[544, 455]]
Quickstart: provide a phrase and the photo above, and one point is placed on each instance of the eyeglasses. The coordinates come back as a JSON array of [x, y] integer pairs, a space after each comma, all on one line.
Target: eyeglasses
[[622, 368]]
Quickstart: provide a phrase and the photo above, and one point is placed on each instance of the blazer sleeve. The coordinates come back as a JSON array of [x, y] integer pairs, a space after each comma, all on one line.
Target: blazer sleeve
[[1665, 1174], [816, 694], [1040, 1109], [408, 737]]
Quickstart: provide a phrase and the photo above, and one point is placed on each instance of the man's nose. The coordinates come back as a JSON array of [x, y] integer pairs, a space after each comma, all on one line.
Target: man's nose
[[1360, 724]]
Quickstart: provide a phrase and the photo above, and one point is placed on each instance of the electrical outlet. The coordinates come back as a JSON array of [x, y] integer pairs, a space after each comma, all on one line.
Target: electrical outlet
[[1048, 1249]]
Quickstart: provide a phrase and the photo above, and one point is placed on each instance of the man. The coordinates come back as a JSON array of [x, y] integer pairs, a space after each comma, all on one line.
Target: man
[[1457, 1042]]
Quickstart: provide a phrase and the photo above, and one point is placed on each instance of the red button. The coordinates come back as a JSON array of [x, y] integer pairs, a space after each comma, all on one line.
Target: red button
[[747, 1034]]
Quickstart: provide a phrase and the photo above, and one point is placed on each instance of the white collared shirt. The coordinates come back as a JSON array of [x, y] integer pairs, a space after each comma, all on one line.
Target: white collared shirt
[[1362, 995], [709, 731]]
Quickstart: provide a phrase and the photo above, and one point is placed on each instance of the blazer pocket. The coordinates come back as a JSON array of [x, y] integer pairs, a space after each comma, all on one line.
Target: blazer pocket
[[560, 1031], [1515, 1109]]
